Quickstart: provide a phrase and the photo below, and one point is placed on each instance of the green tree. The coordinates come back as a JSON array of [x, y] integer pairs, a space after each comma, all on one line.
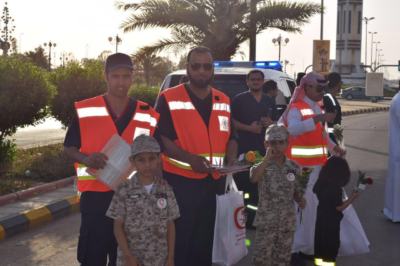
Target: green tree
[[25, 95], [221, 25], [39, 57], [154, 68], [75, 83]]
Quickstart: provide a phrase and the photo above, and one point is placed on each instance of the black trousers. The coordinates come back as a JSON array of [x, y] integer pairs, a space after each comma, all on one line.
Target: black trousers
[[327, 238], [97, 241], [195, 227]]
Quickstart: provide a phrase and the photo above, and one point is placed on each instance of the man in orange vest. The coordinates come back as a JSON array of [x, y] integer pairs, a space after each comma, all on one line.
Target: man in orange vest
[[309, 145], [197, 130], [95, 122]]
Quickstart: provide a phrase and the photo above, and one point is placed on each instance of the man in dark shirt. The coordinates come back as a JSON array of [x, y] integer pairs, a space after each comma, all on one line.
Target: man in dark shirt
[[270, 88], [252, 111], [331, 104], [97, 240], [196, 197]]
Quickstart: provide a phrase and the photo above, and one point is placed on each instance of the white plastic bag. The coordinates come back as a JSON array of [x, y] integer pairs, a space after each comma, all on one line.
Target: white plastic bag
[[230, 226]]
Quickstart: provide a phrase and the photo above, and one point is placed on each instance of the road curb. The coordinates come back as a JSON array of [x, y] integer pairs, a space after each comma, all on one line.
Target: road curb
[[36, 190], [366, 110], [16, 224]]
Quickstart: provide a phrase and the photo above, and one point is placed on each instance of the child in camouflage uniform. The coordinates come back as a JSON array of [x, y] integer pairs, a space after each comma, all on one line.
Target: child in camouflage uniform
[[277, 188], [144, 211]]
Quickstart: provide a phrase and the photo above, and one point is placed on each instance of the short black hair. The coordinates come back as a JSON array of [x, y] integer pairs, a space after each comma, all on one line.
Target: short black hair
[[253, 71], [201, 50], [334, 78], [336, 172], [269, 85]]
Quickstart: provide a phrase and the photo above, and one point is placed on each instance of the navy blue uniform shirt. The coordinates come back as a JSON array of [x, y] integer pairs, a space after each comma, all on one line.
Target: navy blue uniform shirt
[[246, 110]]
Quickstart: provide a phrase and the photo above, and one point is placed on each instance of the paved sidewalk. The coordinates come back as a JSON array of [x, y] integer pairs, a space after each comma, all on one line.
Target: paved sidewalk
[[23, 214], [24, 210]]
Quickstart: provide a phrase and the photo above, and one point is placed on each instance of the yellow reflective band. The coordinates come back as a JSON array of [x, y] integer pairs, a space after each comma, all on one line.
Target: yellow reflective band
[[78, 194], [307, 112], [222, 107], [179, 164], [246, 195], [318, 262], [180, 106], [328, 263], [145, 118], [252, 207], [82, 174], [92, 111]]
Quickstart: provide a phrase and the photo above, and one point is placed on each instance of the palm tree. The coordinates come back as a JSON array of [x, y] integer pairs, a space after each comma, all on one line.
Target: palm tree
[[38, 57], [221, 25], [150, 65]]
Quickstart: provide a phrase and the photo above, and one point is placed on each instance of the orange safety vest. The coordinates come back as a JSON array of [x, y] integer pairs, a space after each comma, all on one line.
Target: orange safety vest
[[193, 134], [97, 127], [311, 147]]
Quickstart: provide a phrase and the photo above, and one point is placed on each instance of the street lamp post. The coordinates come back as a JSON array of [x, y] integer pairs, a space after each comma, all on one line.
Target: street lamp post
[[63, 59], [50, 45], [6, 31], [376, 51], [278, 42], [291, 68], [118, 41], [372, 44], [366, 38]]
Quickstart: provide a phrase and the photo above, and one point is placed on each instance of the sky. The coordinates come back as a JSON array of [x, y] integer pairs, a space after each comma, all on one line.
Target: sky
[[82, 27]]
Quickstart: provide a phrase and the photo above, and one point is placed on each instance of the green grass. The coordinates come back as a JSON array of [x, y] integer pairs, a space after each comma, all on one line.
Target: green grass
[[46, 164]]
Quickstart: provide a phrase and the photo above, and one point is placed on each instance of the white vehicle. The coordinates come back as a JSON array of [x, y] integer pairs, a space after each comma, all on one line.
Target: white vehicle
[[230, 78]]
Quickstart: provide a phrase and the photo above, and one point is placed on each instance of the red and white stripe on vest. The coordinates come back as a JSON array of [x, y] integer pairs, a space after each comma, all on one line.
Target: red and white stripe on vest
[[97, 127], [192, 132], [311, 147]]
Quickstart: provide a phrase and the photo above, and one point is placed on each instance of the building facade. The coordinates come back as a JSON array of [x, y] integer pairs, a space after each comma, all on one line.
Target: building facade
[[348, 37]]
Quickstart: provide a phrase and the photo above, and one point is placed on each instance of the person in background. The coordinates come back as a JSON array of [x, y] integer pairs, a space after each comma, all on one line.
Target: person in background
[[331, 104], [270, 88], [253, 112]]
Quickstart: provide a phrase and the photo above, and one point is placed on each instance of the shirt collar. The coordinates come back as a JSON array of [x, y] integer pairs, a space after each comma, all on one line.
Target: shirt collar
[[310, 102]]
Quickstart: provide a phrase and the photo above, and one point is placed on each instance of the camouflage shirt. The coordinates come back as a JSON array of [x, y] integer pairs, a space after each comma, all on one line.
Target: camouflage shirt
[[276, 209], [145, 220]]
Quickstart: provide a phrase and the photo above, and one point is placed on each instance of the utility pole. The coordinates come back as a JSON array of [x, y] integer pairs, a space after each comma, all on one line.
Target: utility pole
[[252, 46], [322, 20]]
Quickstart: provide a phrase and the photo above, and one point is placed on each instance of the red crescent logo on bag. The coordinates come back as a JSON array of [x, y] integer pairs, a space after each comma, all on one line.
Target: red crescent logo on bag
[[240, 218]]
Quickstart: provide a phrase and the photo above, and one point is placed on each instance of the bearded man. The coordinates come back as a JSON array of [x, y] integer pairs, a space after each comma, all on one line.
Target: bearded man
[[197, 130]]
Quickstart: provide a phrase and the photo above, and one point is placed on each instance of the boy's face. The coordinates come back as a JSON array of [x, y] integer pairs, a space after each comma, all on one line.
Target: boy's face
[[146, 163], [278, 147]]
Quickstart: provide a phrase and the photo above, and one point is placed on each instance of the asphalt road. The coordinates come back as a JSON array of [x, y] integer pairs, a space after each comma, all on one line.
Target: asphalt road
[[366, 138]]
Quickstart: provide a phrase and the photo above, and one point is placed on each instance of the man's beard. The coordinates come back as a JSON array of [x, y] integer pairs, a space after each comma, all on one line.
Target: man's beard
[[203, 84]]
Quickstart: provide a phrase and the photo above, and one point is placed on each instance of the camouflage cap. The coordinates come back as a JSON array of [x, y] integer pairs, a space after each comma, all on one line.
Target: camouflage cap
[[144, 143], [276, 132]]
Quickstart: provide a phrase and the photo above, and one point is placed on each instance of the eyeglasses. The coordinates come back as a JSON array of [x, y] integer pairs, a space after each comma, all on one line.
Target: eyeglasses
[[319, 88], [256, 80], [197, 66]]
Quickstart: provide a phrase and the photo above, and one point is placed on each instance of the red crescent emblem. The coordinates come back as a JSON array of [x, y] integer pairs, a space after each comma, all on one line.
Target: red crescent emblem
[[240, 221]]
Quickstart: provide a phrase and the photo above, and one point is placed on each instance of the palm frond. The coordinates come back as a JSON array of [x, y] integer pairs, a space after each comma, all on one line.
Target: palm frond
[[126, 6]]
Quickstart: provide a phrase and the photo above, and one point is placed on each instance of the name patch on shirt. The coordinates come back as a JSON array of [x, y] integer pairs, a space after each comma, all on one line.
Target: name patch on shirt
[[161, 195], [134, 196]]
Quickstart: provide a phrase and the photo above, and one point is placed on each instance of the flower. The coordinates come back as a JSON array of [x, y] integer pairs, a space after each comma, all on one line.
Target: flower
[[251, 157], [370, 181]]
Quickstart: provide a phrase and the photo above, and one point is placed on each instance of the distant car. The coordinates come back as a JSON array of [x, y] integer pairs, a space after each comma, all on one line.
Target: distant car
[[356, 93]]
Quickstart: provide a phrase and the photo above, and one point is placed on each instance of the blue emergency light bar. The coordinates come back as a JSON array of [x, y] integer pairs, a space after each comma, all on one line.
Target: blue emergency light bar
[[250, 64]]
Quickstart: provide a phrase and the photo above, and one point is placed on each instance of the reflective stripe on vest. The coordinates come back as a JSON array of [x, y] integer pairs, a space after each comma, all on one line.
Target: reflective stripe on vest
[[82, 174], [180, 106], [308, 152], [330, 96], [222, 107], [145, 118], [330, 129], [92, 111], [217, 159], [305, 112]]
